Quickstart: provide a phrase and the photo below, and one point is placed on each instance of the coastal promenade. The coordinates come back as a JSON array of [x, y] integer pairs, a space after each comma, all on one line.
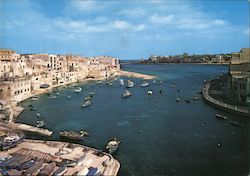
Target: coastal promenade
[[222, 105]]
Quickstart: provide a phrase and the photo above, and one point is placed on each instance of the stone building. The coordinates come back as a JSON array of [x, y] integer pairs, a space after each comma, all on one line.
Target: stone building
[[240, 75]]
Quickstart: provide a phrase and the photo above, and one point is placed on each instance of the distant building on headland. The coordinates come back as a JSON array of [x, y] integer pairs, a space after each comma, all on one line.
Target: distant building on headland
[[22, 75], [240, 75], [187, 58]]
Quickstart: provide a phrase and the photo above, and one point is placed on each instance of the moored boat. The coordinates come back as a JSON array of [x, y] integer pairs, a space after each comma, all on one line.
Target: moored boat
[[144, 84], [72, 135], [35, 98], [40, 123], [220, 116], [60, 171], [112, 146], [130, 84], [126, 94], [78, 89], [121, 82], [86, 103], [150, 92], [178, 99]]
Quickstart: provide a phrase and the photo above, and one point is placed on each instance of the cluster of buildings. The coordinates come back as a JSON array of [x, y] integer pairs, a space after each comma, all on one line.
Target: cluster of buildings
[[240, 75], [186, 58], [23, 74]]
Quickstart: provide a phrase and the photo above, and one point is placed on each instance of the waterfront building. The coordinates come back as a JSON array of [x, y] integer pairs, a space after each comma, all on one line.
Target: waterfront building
[[6, 55], [240, 75]]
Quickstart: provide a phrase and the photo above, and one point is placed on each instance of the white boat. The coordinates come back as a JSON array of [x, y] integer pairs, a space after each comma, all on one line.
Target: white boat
[[144, 84], [112, 146], [126, 94], [35, 98], [40, 124], [78, 89], [178, 99], [130, 84], [53, 97], [38, 114], [86, 103], [121, 82], [150, 92], [220, 116]]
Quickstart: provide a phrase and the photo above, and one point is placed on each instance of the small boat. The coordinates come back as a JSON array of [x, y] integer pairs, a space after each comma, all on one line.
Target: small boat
[[78, 89], [40, 124], [144, 84], [84, 133], [38, 114], [150, 92], [60, 171], [178, 99], [204, 81], [126, 94], [130, 84], [68, 97], [220, 116], [112, 146], [187, 101], [86, 103], [57, 93], [35, 98], [195, 98], [72, 135], [13, 138], [91, 93], [88, 98], [161, 91], [33, 108], [53, 97], [121, 82], [235, 123], [173, 85]]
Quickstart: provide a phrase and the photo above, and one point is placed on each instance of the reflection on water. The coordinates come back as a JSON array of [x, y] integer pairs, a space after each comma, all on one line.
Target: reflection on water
[[159, 136]]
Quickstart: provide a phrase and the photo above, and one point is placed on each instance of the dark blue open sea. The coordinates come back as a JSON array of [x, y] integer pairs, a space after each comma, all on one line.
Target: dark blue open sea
[[159, 136]]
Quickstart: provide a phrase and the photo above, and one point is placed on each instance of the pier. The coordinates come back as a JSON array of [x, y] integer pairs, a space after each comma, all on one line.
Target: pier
[[232, 108], [31, 129]]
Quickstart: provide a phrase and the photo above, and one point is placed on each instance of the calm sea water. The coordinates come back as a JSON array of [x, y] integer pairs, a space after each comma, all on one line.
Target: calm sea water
[[159, 136]]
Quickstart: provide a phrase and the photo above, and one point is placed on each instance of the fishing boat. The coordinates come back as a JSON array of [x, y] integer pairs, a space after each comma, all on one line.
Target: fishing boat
[[220, 116], [130, 84], [40, 124], [121, 82], [86, 103], [73, 135], [112, 146], [126, 94], [78, 89], [144, 84], [35, 98]]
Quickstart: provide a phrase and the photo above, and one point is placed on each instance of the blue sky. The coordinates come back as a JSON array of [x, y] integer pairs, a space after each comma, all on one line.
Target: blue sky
[[125, 29]]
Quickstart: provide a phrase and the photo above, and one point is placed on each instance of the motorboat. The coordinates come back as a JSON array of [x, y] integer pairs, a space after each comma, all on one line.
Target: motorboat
[[161, 91], [73, 135], [88, 98], [33, 108], [150, 92], [78, 89], [126, 94], [40, 124], [130, 84], [53, 97], [195, 98], [220, 116], [121, 82], [144, 84], [92, 93], [86, 103], [173, 85], [35, 98], [178, 99], [112, 146], [38, 114]]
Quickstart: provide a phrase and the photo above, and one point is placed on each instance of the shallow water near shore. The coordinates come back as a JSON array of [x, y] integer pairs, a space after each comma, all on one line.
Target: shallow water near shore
[[159, 136]]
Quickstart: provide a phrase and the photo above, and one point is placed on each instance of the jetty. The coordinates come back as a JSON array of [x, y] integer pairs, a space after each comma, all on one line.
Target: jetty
[[31, 129], [222, 105]]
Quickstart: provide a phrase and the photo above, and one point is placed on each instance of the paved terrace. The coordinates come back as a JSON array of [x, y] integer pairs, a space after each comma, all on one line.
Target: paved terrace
[[220, 104]]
